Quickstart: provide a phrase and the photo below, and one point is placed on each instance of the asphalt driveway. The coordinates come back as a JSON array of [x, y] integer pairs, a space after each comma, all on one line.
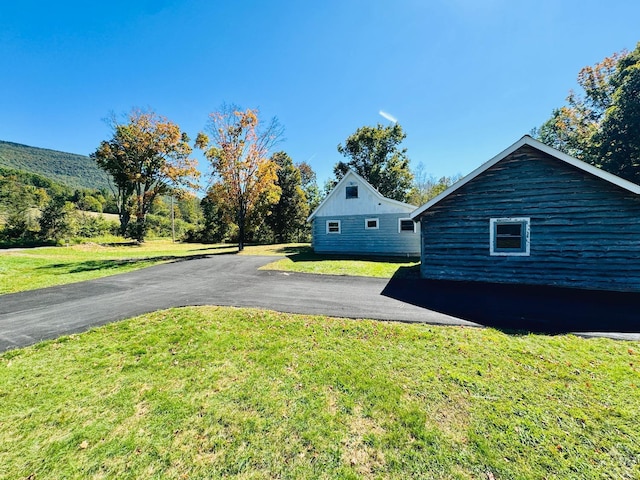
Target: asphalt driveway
[[234, 280]]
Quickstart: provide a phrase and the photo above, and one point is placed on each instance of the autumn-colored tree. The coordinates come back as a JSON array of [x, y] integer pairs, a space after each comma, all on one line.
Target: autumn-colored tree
[[147, 156], [374, 153], [601, 125], [289, 215], [243, 175]]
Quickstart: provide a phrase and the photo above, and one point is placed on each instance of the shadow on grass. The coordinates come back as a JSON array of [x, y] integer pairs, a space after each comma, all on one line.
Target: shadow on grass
[[114, 264], [520, 308], [306, 254]]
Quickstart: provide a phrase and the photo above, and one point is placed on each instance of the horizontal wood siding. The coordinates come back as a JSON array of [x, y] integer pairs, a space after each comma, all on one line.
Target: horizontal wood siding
[[355, 239], [585, 232]]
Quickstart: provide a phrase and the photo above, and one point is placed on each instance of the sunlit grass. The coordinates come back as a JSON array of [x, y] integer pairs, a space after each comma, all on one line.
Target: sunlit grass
[[213, 392], [28, 269]]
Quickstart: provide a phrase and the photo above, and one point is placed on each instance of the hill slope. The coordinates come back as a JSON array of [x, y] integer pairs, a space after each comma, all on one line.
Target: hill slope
[[76, 171]]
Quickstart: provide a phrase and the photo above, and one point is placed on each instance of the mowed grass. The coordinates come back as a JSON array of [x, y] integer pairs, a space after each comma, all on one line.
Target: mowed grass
[[301, 258], [213, 392], [32, 268]]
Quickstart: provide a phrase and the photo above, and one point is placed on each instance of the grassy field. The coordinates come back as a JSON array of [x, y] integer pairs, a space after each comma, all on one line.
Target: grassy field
[[211, 392], [28, 269]]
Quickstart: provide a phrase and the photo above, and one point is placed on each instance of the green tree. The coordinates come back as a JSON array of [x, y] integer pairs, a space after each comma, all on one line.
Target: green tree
[[146, 157], [425, 186], [600, 124], [289, 215], [309, 184], [374, 153], [55, 219], [244, 176], [618, 139]]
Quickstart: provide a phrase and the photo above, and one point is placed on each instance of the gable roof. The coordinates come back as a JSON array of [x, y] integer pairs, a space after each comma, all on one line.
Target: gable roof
[[366, 184], [527, 140]]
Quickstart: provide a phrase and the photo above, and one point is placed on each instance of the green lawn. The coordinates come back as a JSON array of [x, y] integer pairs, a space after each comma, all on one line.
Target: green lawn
[[301, 258], [31, 268], [211, 392]]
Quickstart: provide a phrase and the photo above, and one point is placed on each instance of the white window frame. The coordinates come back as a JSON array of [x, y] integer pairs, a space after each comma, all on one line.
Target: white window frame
[[366, 223], [400, 220], [524, 221], [339, 227]]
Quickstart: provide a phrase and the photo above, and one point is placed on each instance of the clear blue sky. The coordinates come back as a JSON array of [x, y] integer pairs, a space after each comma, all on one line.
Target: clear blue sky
[[464, 78]]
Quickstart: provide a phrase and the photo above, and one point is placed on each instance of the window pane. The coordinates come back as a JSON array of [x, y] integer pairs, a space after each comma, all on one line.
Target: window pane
[[509, 229], [333, 227], [372, 223], [352, 192], [406, 226], [509, 243]]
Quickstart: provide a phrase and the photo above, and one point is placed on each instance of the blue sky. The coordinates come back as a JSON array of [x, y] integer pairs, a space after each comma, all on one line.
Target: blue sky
[[464, 78]]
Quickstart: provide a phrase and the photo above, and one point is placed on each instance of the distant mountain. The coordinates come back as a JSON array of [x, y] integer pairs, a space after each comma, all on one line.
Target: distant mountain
[[75, 171]]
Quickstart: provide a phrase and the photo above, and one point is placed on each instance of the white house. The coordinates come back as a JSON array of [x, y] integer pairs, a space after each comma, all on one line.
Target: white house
[[355, 218]]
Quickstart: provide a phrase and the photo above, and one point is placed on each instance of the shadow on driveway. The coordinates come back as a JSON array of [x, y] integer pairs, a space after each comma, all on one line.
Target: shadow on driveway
[[539, 309]]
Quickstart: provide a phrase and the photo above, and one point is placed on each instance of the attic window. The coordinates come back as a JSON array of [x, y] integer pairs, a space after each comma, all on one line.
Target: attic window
[[352, 191], [509, 236], [406, 225]]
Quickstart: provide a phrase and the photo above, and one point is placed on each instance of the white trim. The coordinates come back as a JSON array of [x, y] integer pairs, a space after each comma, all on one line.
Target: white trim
[[366, 223], [339, 227], [527, 140], [366, 185], [400, 225], [525, 221]]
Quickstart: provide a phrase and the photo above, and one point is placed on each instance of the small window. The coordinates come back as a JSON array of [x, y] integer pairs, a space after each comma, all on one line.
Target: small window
[[371, 224], [509, 236], [352, 191], [406, 225], [333, 226]]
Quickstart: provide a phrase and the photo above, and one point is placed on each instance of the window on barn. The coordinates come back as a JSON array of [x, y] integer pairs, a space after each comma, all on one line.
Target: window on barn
[[352, 191], [371, 224], [333, 226], [509, 236], [406, 225]]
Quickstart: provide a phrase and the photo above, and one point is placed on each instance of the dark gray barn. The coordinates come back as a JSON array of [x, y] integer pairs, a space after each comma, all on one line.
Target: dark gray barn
[[534, 215]]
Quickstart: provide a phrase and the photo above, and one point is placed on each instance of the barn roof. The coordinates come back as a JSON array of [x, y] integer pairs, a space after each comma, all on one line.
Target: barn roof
[[527, 140], [366, 184]]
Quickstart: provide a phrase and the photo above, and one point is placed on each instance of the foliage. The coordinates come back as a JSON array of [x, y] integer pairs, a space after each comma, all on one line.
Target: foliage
[[146, 157], [425, 187], [55, 219], [213, 392], [600, 125], [216, 226], [68, 169], [244, 176], [309, 185], [288, 217], [618, 139], [374, 153]]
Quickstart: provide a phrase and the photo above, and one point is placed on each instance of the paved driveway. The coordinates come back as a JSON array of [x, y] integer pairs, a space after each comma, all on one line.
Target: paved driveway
[[234, 280], [229, 280]]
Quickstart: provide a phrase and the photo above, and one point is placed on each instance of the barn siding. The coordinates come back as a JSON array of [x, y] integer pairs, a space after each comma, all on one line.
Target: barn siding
[[355, 239], [585, 231]]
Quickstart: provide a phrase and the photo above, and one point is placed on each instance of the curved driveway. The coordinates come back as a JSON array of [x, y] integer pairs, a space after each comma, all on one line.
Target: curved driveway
[[228, 280], [234, 280]]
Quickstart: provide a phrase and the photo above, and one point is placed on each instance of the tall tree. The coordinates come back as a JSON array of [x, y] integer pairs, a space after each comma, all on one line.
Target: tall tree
[[309, 184], [374, 153], [618, 139], [601, 125], [147, 156], [289, 215], [425, 186], [238, 152]]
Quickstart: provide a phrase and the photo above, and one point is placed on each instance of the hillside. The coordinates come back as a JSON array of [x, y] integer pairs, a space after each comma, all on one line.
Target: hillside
[[76, 171]]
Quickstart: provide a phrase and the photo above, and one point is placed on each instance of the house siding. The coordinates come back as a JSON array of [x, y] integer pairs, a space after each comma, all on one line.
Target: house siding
[[355, 239], [584, 231]]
